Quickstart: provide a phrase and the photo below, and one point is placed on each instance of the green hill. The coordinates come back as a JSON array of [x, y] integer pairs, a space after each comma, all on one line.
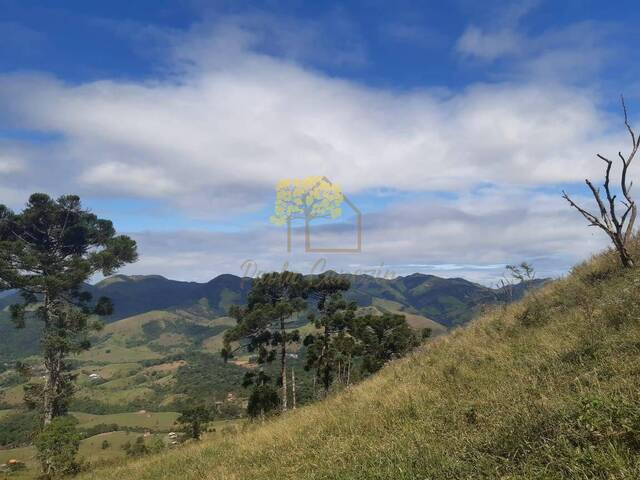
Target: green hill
[[188, 307], [544, 388]]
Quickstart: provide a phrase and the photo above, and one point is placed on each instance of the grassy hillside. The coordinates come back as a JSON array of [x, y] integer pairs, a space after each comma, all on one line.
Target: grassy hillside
[[545, 388]]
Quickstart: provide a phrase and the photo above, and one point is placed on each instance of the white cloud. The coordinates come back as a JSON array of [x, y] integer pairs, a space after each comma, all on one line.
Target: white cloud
[[130, 179], [242, 126], [489, 45], [10, 164], [214, 136], [473, 236]]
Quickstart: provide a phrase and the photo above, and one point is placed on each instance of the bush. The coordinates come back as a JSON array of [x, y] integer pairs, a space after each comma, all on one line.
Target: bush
[[57, 446]]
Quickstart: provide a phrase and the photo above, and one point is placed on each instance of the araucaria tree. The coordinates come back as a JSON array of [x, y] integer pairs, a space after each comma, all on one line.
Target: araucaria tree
[[619, 227], [47, 253], [382, 338], [331, 348], [262, 324]]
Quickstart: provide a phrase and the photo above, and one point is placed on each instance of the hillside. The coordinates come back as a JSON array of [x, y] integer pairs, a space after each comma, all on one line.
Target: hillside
[[430, 301], [544, 388]]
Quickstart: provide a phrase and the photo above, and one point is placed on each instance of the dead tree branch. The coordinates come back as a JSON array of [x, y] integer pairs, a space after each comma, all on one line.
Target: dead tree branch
[[618, 228]]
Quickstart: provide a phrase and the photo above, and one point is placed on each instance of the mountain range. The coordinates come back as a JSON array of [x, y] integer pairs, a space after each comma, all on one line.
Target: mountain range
[[426, 300]]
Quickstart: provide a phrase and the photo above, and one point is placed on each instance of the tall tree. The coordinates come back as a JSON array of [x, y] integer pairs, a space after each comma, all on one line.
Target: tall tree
[[333, 316], [262, 324], [618, 227], [47, 252]]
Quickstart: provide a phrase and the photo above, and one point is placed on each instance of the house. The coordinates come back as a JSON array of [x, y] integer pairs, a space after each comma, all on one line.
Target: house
[[94, 377]]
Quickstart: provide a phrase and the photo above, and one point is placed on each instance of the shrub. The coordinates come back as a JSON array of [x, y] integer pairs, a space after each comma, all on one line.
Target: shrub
[[57, 446]]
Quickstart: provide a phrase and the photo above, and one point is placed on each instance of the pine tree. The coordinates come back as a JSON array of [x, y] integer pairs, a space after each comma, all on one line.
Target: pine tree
[[382, 338], [47, 253], [334, 314], [262, 324]]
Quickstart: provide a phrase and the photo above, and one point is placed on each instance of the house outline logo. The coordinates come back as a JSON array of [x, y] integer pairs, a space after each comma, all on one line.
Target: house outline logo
[[311, 198]]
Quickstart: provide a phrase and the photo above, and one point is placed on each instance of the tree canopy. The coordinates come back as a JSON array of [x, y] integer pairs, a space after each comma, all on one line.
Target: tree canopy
[[47, 252]]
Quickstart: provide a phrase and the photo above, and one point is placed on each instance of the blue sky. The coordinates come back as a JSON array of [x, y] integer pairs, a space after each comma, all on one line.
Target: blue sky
[[452, 125]]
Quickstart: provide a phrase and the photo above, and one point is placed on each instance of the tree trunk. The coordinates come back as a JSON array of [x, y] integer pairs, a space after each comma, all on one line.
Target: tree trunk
[[324, 362], [53, 368], [51, 393], [293, 389], [283, 365]]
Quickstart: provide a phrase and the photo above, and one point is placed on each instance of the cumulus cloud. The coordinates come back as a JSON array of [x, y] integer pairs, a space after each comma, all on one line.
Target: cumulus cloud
[[228, 120], [246, 124], [569, 53], [472, 236]]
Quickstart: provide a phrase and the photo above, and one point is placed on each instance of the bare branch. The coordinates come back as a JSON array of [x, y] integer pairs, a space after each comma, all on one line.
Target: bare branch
[[620, 229], [626, 121]]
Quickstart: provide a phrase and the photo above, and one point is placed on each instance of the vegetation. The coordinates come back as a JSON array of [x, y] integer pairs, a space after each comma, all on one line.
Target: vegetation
[[194, 419], [57, 446], [264, 397], [544, 388], [47, 252], [18, 428], [327, 349], [619, 228], [262, 324]]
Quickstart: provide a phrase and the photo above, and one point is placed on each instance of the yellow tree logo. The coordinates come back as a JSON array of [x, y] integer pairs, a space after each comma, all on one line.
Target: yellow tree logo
[[309, 199]]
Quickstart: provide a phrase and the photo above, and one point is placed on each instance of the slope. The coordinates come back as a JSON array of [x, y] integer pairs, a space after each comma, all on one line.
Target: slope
[[544, 388]]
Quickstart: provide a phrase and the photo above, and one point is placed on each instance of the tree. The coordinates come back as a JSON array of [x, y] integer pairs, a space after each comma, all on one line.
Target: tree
[[105, 444], [262, 324], [57, 446], [618, 228], [306, 199], [47, 252], [193, 419], [325, 350], [523, 273], [264, 397], [137, 449], [382, 338]]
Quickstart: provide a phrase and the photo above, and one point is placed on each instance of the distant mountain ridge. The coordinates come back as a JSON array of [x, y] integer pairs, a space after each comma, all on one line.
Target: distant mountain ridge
[[427, 301], [448, 301]]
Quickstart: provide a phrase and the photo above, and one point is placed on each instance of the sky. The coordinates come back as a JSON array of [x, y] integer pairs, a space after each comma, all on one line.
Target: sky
[[452, 126]]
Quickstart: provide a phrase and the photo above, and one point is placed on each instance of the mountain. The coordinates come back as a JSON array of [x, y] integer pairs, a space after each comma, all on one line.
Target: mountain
[[133, 295], [427, 301], [544, 388]]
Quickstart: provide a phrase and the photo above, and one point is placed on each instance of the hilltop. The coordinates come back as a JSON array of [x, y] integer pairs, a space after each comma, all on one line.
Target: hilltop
[[543, 388]]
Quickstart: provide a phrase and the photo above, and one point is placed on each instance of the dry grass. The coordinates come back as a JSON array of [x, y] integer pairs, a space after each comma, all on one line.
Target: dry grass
[[545, 388]]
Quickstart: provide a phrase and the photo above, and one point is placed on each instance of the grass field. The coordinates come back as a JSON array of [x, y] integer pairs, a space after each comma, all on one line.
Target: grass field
[[155, 421], [547, 388], [90, 451], [112, 352], [415, 321]]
